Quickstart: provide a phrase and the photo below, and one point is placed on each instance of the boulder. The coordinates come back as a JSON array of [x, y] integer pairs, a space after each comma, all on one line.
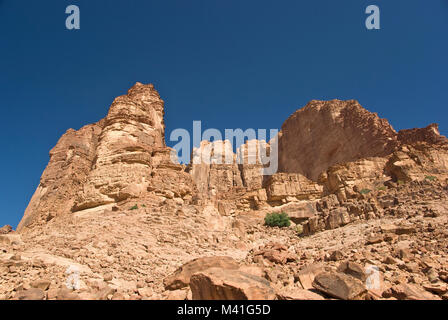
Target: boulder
[[104, 293], [339, 285], [352, 269], [225, 284], [298, 212], [307, 273], [30, 294], [181, 277], [298, 294], [409, 291], [41, 284], [66, 294]]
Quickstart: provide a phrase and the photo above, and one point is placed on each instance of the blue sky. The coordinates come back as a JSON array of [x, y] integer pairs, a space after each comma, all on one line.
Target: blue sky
[[230, 64]]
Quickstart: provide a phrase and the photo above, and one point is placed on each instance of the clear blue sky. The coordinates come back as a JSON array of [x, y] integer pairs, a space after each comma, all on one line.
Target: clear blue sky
[[230, 63]]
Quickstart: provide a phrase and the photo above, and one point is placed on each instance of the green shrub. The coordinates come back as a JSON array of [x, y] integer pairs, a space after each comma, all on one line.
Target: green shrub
[[299, 229], [134, 207], [365, 191], [430, 178], [277, 220], [400, 182], [382, 188]]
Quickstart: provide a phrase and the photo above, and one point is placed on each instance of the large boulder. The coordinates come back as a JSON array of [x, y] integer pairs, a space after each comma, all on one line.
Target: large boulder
[[307, 273], [181, 277], [298, 294], [410, 291], [30, 294], [222, 284], [339, 285]]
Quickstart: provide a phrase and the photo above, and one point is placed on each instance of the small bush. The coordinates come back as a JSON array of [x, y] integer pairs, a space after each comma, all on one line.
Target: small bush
[[365, 191], [400, 182], [277, 220], [299, 229], [430, 178], [134, 207], [382, 188]]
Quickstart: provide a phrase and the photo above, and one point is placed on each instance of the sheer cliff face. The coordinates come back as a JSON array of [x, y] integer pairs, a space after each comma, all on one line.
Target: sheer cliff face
[[70, 163], [324, 133], [216, 169], [109, 161], [132, 130]]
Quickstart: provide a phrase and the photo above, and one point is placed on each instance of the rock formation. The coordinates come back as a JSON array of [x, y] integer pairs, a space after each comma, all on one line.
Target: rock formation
[[116, 210], [324, 133], [122, 156]]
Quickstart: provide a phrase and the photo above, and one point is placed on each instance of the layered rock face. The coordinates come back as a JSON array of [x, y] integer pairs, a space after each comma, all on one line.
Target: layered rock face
[[122, 156], [430, 135], [423, 154], [327, 147], [70, 163], [114, 204], [130, 149], [324, 133], [219, 172], [349, 178], [290, 187], [214, 168]]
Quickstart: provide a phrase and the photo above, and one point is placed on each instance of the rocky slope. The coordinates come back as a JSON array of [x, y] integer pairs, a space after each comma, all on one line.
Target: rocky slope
[[115, 218]]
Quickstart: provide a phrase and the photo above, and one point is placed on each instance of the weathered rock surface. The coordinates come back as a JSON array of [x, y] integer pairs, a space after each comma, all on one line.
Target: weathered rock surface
[[181, 278], [430, 135], [214, 168], [121, 157], [70, 163], [219, 284], [115, 218], [291, 186], [325, 133], [218, 172], [30, 294], [419, 162], [299, 294], [340, 286], [351, 177]]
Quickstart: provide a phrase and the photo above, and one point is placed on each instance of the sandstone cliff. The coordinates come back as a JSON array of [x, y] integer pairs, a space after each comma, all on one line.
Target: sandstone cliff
[[324, 133], [327, 147], [122, 156], [114, 205]]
